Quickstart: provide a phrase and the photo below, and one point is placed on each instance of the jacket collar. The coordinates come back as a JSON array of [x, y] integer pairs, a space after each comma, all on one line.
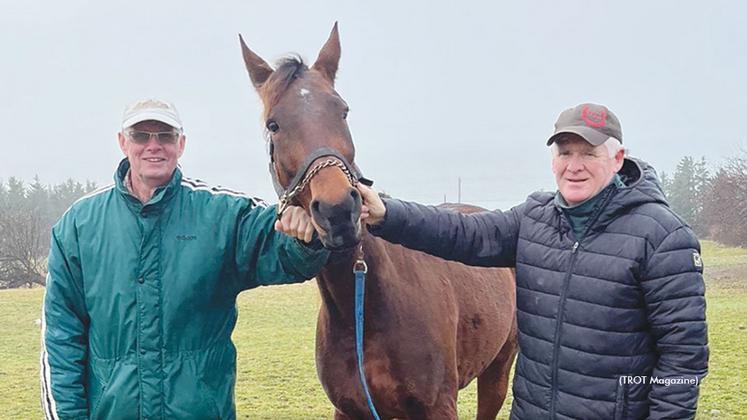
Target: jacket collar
[[161, 196], [586, 206], [641, 187]]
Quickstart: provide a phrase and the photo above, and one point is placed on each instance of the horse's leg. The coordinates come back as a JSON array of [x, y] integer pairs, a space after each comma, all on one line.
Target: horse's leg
[[340, 416], [358, 416], [492, 384], [446, 410]]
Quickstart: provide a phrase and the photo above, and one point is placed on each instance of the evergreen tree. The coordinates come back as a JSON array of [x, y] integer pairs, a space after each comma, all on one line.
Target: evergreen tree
[[37, 197], [64, 195], [685, 190], [665, 181], [90, 186], [3, 194], [16, 193]]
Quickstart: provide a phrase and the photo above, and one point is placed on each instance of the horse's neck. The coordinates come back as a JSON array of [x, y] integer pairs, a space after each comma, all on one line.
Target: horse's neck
[[337, 279], [337, 283]]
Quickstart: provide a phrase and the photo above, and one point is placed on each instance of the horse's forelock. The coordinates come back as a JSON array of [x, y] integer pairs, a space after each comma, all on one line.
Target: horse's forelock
[[288, 69]]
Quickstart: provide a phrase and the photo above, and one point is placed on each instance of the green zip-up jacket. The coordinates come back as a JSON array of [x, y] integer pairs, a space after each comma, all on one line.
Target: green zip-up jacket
[[141, 299]]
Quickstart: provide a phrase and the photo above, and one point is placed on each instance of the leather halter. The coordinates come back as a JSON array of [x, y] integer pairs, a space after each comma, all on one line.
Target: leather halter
[[288, 194]]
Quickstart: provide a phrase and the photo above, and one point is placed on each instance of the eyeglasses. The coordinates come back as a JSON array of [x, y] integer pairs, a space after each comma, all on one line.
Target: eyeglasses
[[143, 137]]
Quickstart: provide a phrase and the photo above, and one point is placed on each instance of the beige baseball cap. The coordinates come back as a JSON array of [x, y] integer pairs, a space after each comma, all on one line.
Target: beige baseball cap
[[151, 109]]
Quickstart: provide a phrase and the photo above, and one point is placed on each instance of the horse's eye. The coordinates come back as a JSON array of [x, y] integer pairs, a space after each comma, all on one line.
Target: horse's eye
[[273, 126]]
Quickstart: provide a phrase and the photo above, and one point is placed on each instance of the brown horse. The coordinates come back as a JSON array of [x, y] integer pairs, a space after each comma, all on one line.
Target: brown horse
[[432, 326]]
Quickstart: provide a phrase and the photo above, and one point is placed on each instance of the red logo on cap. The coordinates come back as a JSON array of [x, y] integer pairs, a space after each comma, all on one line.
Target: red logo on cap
[[595, 119]]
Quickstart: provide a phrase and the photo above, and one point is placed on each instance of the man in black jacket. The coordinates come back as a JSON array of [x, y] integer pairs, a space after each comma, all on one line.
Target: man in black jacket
[[610, 293]]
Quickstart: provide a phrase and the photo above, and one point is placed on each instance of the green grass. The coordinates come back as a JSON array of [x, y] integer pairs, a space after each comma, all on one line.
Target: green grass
[[717, 255], [275, 341], [724, 389], [277, 376], [19, 353]]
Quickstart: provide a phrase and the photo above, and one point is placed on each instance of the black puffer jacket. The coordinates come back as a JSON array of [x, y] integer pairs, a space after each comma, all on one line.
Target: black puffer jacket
[[608, 326]]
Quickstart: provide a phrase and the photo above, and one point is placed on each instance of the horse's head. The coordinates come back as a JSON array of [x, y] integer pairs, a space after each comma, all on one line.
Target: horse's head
[[310, 145]]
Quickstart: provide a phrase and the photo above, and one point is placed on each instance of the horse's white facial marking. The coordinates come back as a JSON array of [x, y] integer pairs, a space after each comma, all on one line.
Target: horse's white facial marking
[[306, 96]]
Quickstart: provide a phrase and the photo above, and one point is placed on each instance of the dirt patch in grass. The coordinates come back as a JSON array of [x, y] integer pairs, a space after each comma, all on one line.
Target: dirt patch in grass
[[731, 277]]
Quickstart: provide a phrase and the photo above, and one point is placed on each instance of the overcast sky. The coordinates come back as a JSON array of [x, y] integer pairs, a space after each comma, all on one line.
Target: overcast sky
[[438, 90]]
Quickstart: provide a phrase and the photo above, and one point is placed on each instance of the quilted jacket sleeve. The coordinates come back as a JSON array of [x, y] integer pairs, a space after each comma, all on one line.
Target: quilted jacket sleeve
[[674, 296], [65, 321], [265, 256], [482, 239]]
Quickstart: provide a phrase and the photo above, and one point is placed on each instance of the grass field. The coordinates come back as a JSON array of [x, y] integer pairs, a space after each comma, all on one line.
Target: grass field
[[275, 341]]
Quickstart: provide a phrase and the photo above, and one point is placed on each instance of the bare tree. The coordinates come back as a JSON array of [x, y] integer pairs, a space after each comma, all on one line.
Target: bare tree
[[27, 214], [23, 245], [725, 203]]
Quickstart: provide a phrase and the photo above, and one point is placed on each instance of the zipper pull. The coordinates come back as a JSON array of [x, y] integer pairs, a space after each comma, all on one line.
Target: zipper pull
[[575, 247]]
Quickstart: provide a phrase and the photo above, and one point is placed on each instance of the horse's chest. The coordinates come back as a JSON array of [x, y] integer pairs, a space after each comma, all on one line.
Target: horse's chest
[[338, 372]]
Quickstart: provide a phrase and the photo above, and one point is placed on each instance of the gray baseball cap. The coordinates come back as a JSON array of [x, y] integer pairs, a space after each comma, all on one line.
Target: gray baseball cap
[[594, 123]]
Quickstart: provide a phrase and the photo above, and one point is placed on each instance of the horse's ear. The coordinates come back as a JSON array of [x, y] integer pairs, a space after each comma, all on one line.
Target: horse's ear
[[259, 70], [329, 56]]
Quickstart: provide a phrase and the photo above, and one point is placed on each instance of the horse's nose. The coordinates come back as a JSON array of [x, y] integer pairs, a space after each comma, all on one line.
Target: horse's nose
[[357, 201], [333, 216]]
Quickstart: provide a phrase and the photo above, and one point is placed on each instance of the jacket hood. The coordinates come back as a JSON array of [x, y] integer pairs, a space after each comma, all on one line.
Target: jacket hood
[[641, 187]]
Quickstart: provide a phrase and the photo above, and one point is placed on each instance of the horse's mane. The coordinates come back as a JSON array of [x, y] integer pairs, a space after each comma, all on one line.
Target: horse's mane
[[288, 69]]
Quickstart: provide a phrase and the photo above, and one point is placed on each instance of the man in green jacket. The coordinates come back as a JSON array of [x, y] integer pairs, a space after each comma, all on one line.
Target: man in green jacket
[[143, 278]]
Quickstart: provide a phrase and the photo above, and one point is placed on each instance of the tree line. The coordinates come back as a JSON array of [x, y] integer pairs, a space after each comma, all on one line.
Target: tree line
[[27, 214], [712, 202]]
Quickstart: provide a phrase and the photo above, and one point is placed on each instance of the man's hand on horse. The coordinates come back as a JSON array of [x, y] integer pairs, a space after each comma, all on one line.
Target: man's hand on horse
[[373, 209], [296, 222]]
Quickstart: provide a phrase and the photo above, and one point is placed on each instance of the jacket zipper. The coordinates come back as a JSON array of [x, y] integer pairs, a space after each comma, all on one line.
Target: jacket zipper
[[558, 324], [561, 307]]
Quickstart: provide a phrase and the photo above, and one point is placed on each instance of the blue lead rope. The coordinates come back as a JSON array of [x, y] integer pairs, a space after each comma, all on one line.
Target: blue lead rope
[[360, 286]]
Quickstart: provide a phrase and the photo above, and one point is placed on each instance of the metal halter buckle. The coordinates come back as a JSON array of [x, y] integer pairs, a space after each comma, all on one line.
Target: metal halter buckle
[[360, 265]]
